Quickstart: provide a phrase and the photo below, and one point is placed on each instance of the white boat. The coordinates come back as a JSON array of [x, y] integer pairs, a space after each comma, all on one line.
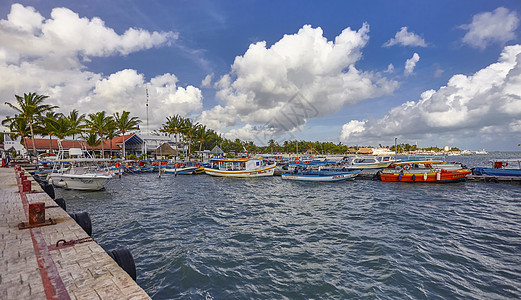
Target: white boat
[[240, 167], [181, 171], [80, 172], [428, 164], [371, 162], [320, 176]]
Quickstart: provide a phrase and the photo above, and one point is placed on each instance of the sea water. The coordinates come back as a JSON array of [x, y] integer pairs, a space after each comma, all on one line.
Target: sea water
[[198, 236]]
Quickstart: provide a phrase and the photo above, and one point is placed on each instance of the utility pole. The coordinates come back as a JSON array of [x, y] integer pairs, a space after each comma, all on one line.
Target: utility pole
[[395, 149]]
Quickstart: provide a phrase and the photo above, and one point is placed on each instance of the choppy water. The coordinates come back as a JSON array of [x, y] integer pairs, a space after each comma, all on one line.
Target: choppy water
[[196, 237]]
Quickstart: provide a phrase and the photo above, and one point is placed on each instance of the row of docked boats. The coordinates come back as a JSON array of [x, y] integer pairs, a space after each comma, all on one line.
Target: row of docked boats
[[75, 169]]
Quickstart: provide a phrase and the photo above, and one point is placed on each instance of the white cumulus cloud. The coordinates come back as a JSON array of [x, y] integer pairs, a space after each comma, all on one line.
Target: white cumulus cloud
[[406, 38], [410, 64], [486, 28], [45, 56], [67, 35], [301, 76], [483, 105]]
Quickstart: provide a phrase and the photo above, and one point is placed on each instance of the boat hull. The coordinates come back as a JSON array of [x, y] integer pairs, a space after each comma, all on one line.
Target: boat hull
[[320, 177], [79, 182], [371, 165], [444, 176], [182, 171], [497, 172], [264, 172]]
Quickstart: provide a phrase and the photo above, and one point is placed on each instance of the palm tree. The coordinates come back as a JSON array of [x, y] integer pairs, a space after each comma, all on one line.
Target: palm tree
[[111, 132], [61, 128], [49, 125], [173, 126], [188, 131], [201, 134], [18, 127], [76, 123], [125, 124], [92, 140], [31, 108], [99, 124]]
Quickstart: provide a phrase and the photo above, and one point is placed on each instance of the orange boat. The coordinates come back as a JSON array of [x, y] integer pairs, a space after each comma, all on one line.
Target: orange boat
[[442, 176]]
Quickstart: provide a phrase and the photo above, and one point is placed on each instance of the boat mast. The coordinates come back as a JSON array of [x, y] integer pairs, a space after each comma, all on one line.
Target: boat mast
[[147, 108]]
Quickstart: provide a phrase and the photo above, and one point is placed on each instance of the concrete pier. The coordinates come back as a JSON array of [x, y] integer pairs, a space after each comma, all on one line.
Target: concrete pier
[[32, 267]]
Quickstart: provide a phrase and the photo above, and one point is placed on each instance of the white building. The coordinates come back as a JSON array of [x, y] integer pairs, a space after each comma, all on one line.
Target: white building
[[16, 146], [147, 143]]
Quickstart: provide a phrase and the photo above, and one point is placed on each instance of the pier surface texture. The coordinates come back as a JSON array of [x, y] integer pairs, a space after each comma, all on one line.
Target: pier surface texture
[[33, 268]]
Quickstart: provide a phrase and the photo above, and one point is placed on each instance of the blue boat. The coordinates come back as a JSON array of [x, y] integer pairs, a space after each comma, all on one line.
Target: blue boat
[[181, 170], [321, 176], [500, 168]]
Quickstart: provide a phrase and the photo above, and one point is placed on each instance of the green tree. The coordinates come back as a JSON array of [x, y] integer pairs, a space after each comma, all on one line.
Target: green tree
[[92, 140], [201, 134], [124, 124], [18, 127], [188, 131], [76, 123], [99, 123], [111, 132], [30, 107], [173, 125], [49, 125], [59, 127]]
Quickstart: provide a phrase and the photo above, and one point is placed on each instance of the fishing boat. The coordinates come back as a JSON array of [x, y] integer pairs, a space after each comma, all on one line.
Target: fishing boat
[[321, 176], [427, 164], [432, 176], [371, 162], [185, 168], [501, 168], [81, 172], [240, 167]]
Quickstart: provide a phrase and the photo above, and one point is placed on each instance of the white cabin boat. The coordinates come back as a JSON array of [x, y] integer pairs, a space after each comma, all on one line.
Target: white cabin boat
[[240, 167], [371, 162], [81, 172]]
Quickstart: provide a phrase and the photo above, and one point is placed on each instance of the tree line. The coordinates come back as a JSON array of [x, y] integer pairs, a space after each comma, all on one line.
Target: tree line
[[34, 117]]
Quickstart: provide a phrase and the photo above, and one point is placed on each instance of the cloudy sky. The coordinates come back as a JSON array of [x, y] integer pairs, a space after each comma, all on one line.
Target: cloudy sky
[[431, 73]]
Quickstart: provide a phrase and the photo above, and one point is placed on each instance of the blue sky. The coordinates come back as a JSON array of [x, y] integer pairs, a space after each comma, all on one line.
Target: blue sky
[[236, 65]]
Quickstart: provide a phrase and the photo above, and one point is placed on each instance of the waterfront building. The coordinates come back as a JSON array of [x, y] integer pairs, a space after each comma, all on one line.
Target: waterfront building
[[135, 143]]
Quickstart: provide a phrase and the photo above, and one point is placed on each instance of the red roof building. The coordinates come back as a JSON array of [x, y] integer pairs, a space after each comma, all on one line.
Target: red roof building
[[43, 145]]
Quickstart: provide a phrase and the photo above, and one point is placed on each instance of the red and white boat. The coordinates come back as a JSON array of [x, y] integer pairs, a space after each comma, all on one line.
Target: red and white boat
[[433, 176]]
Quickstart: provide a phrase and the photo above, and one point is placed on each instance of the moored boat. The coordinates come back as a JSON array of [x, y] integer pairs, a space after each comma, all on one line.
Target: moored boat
[[185, 168], [501, 168], [180, 170], [78, 173], [433, 176], [428, 164], [371, 162], [240, 167], [322, 176]]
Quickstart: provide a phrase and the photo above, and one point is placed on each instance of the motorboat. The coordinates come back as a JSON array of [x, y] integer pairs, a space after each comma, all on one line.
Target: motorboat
[[184, 168], [500, 168], [430, 175], [322, 176], [370, 162], [427, 164], [78, 171], [240, 167]]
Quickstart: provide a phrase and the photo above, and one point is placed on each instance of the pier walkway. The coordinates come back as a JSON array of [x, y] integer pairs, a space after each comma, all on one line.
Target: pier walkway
[[32, 267]]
